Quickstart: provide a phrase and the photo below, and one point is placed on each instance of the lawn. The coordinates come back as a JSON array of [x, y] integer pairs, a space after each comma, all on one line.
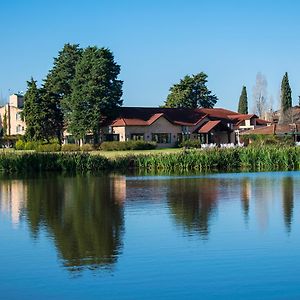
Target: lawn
[[113, 154]]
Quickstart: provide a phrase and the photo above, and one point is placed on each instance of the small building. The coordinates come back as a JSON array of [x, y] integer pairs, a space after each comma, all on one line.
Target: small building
[[12, 113], [280, 130]]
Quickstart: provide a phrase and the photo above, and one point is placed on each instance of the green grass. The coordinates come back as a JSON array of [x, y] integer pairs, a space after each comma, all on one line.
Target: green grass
[[114, 154]]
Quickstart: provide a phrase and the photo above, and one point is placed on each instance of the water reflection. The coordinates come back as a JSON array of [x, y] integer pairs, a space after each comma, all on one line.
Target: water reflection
[[288, 201], [13, 199], [84, 215], [245, 196], [193, 202]]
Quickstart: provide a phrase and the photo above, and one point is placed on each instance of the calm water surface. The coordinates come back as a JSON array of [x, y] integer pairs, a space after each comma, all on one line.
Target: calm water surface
[[226, 236]]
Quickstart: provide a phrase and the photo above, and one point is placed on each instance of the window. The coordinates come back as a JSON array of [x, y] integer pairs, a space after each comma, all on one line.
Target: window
[[18, 116], [161, 138], [185, 129], [19, 129], [112, 137], [137, 136]]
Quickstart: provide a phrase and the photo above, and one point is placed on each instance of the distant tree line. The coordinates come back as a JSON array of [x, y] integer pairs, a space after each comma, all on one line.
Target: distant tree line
[[261, 105], [78, 93]]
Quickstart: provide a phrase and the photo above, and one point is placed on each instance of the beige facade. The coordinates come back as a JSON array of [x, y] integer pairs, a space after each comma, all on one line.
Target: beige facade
[[14, 123], [166, 134], [162, 131]]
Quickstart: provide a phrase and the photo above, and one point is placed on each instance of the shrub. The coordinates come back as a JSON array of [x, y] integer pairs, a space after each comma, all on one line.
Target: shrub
[[128, 145], [70, 147], [190, 144], [20, 145], [87, 147], [270, 140], [31, 145], [48, 147]]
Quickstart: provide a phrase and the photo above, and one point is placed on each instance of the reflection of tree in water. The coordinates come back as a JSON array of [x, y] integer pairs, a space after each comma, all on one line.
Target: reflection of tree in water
[[84, 216], [245, 196], [288, 201], [193, 202]]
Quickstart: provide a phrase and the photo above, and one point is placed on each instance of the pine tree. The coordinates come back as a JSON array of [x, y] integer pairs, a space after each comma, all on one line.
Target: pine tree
[[286, 100], [33, 113], [191, 92], [57, 88], [96, 92], [60, 77], [243, 102]]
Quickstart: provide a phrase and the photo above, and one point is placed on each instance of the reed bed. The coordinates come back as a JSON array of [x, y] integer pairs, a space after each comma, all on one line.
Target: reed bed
[[237, 159]]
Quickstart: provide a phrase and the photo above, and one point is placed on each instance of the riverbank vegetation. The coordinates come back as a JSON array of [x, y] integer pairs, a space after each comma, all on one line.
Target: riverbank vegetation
[[222, 160]]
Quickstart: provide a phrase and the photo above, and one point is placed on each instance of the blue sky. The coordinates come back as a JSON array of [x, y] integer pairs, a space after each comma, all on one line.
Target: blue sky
[[157, 43]]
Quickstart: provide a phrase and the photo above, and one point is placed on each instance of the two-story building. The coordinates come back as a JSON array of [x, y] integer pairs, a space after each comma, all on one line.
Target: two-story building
[[11, 114]]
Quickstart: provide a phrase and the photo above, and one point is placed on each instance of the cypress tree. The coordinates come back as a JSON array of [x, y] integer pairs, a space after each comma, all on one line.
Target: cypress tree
[[33, 113], [286, 93], [286, 99], [243, 102]]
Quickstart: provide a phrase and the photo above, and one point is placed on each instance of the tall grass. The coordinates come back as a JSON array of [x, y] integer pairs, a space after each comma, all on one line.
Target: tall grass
[[36, 161], [250, 158]]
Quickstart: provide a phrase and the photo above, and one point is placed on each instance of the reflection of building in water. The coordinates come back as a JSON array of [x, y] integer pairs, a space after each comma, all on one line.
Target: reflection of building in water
[[288, 201], [13, 198], [118, 188], [193, 203], [83, 214]]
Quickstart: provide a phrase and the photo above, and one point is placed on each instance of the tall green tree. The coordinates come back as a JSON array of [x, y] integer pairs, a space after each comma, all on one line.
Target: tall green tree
[[286, 100], [243, 102], [96, 92], [33, 113], [191, 92], [57, 87], [60, 77], [286, 93]]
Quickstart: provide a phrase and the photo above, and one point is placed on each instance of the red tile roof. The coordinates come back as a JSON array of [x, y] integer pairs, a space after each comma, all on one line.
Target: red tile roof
[[274, 129], [260, 130], [217, 112], [145, 116], [207, 127], [262, 122]]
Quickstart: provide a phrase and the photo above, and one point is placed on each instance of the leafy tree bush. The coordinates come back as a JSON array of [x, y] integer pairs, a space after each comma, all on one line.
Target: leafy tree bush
[[87, 147], [54, 147], [269, 140], [70, 147], [191, 92], [31, 145], [190, 144], [128, 145], [20, 145]]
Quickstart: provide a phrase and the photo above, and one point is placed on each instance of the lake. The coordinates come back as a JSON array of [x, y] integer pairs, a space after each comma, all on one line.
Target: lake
[[217, 236]]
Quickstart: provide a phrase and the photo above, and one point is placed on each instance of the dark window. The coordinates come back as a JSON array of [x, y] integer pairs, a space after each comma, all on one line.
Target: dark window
[[112, 137], [137, 136], [161, 138]]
